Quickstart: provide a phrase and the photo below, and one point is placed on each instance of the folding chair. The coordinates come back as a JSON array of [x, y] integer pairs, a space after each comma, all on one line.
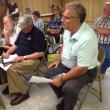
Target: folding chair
[[52, 45], [2, 102], [43, 61], [101, 56]]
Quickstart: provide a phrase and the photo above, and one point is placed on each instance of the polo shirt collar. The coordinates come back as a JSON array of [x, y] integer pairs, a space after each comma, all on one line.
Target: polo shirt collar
[[77, 35]]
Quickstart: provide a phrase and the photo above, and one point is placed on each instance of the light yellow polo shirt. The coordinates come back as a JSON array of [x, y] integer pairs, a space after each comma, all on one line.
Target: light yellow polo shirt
[[80, 49]]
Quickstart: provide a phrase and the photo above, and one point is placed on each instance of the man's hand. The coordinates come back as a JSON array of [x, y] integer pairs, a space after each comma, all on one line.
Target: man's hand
[[54, 64], [53, 31], [57, 81], [5, 55], [18, 59]]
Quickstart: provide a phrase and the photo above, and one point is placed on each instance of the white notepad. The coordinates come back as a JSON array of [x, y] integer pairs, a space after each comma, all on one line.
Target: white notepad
[[36, 79], [6, 63]]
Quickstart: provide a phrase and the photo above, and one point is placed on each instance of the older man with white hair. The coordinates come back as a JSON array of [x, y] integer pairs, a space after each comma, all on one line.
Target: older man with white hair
[[29, 46]]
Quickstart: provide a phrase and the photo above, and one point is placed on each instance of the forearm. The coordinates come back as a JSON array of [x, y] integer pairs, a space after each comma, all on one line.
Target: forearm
[[11, 49], [75, 72], [34, 55], [60, 49], [16, 11], [104, 31]]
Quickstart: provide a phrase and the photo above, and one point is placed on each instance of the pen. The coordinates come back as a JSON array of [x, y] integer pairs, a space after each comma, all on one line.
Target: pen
[[2, 61]]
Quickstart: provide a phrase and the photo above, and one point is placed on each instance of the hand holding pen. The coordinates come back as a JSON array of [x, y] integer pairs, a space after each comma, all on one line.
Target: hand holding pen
[[5, 55]]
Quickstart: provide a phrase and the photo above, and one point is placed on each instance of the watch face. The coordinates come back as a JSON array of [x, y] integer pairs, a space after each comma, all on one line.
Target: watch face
[[25, 57]]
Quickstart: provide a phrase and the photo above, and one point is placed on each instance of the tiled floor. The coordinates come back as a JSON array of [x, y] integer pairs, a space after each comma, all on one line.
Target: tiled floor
[[43, 98]]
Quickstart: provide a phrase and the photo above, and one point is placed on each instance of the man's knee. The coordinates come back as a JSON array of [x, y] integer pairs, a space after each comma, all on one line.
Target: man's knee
[[47, 74], [10, 69], [50, 73], [70, 90]]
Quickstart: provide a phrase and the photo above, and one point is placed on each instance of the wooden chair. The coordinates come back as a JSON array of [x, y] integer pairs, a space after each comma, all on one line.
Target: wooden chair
[[101, 56]]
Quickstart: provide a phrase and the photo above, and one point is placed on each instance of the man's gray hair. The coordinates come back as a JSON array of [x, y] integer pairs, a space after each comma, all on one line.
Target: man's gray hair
[[78, 8], [25, 21]]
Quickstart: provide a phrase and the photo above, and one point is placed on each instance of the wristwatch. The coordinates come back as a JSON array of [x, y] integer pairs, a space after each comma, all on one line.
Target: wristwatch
[[61, 78], [25, 57]]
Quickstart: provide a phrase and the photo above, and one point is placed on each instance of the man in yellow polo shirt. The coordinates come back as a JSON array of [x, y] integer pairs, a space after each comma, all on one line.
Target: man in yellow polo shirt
[[76, 65]]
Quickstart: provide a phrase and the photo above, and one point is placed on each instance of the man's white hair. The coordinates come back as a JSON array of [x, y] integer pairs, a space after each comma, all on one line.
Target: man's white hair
[[25, 21]]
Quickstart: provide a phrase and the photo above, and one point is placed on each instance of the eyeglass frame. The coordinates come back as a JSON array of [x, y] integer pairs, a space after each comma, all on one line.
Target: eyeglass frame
[[67, 18]]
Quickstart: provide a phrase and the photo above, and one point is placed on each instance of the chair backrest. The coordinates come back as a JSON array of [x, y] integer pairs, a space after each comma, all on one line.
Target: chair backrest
[[44, 59], [46, 47], [101, 56]]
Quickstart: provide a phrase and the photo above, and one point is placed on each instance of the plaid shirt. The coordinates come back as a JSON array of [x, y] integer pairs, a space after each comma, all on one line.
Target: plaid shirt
[[105, 23], [39, 24], [55, 23]]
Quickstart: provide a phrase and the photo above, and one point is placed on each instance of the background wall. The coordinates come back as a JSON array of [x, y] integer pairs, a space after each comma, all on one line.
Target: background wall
[[94, 7], [41, 5]]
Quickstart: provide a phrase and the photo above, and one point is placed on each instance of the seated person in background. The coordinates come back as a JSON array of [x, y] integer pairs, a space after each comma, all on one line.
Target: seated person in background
[[27, 12], [76, 65], [10, 33], [13, 10], [30, 47], [38, 22], [101, 27], [54, 27]]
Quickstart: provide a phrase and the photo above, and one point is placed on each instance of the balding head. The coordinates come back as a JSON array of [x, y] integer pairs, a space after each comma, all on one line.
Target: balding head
[[107, 3], [106, 10], [25, 23]]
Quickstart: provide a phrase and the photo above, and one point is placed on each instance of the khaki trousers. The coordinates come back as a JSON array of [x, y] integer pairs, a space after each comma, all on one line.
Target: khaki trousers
[[15, 80]]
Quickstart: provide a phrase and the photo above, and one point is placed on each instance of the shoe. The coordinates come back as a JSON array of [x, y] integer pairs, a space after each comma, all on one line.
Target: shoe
[[60, 106], [19, 98], [5, 90]]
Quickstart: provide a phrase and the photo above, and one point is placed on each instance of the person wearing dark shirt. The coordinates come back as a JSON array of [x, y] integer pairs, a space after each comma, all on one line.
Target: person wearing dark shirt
[[13, 10], [30, 47]]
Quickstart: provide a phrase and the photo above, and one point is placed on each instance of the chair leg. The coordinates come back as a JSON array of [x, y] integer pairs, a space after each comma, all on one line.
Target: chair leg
[[84, 97], [2, 102], [100, 87]]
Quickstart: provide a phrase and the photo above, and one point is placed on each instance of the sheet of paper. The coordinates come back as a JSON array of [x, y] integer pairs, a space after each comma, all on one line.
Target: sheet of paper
[[7, 60], [98, 63], [11, 57], [36, 79]]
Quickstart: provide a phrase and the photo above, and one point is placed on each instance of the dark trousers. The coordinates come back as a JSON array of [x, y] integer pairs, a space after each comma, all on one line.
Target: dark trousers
[[106, 62], [71, 88], [3, 77], [57, 38]]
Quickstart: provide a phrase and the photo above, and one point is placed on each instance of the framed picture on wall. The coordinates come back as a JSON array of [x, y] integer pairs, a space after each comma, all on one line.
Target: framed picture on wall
[[3, 2]]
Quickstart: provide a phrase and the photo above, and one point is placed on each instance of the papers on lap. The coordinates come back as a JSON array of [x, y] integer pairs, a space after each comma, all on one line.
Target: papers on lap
[[6, 63], [36, 79]]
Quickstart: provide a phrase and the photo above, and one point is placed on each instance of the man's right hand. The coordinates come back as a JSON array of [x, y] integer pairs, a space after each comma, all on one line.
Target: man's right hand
[[55, 64], [5, 55]]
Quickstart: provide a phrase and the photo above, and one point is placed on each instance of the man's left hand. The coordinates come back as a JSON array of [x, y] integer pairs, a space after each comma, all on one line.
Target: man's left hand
[[18, 59], [57, 81]]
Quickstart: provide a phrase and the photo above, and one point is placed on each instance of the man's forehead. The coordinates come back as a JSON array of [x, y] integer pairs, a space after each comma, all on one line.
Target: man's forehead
[[69, 11], [6, 20], [107, 4]]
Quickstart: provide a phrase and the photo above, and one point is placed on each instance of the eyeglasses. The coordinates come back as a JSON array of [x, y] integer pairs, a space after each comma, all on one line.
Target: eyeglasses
[[66, 17], [55, 9]]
